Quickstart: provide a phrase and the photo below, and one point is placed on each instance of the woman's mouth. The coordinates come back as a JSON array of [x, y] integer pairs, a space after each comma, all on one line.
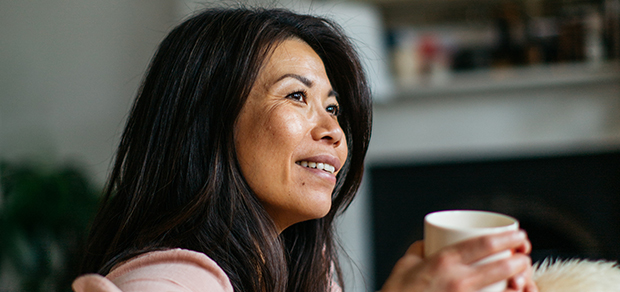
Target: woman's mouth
[[317, 165]]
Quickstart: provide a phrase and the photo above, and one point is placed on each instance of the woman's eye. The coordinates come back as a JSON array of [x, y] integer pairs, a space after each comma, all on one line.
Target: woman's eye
[[333, 109], [297, 96]]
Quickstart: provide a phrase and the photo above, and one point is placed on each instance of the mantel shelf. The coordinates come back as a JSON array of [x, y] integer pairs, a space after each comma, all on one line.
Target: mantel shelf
[[518, 78]]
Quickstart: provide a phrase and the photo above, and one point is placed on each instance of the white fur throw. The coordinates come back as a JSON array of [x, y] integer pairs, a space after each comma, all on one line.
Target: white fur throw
[[577, 276]]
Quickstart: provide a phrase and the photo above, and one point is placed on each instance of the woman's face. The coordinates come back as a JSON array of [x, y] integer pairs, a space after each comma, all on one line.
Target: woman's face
[[287, 137]]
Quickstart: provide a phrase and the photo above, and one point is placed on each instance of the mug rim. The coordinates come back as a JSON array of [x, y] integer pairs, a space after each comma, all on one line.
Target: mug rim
[[431, 219]]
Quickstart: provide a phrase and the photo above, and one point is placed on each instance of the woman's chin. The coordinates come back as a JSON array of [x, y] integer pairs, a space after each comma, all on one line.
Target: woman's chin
[[317, 213]]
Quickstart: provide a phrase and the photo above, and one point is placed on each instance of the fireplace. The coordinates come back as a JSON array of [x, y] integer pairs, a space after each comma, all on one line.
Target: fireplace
[[569, 204]]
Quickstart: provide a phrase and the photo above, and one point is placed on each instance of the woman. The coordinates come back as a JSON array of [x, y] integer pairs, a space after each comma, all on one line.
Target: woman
[[247, 138]]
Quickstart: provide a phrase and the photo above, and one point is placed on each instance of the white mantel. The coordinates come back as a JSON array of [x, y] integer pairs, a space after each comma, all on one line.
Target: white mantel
[[564, 107]]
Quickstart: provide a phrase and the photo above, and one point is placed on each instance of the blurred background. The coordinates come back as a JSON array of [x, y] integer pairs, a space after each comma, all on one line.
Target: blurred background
[[503, 105]]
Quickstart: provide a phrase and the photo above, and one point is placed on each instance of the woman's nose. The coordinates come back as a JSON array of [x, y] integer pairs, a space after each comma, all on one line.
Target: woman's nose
[[328, 130]]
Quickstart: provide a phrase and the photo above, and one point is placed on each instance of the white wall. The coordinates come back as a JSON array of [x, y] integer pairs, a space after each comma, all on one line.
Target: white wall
[[68, 72]]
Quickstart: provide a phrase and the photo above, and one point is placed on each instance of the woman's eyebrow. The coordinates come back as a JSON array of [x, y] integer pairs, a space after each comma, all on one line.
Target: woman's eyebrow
[[302, 79]]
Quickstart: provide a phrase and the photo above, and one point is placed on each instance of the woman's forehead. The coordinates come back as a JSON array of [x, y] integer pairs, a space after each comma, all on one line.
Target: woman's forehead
[[290, 58]]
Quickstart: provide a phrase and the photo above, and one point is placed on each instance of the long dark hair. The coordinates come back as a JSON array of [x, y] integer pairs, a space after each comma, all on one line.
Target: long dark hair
[[176, 181]]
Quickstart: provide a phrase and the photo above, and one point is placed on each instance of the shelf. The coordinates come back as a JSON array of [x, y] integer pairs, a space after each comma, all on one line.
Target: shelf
[[511, 79], [424, 12]]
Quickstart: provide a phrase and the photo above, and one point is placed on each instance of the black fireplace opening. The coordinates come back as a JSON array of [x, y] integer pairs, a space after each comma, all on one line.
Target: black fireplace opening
[[569, 204]]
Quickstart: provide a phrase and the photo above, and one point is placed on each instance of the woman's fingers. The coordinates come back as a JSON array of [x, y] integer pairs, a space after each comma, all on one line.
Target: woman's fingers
[[513, 268], [523, 281], [478, 248], [411, 259], [526, 248], [417, 248], [458, 267], [530, 286], [518, 282]]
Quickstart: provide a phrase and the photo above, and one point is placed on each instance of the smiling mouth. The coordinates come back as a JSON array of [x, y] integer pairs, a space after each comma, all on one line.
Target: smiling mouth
[[317, 165]]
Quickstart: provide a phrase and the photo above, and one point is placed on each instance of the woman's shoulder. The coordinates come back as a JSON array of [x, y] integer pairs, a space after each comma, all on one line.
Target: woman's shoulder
[[167, 270]]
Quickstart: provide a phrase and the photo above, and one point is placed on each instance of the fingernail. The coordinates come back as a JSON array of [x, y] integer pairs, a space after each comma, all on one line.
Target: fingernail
[[519, 282]]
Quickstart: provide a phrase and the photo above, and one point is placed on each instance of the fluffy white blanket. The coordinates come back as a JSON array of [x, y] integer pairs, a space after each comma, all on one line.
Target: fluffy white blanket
[[577, 276]]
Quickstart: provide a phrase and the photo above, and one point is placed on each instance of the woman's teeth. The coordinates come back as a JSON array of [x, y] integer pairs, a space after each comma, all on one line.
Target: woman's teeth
[[317, 165]]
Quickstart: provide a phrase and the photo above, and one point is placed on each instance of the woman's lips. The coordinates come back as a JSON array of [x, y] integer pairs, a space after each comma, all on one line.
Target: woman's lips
[[322, 174]]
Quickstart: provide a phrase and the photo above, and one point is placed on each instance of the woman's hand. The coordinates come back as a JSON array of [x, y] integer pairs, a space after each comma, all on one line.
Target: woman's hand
[[451, 269]]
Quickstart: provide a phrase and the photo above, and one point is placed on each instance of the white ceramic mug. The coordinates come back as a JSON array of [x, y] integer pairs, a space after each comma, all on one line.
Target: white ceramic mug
[[445, 228]]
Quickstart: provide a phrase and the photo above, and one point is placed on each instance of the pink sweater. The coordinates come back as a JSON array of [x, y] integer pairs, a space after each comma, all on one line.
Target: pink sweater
[[175, 270]]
